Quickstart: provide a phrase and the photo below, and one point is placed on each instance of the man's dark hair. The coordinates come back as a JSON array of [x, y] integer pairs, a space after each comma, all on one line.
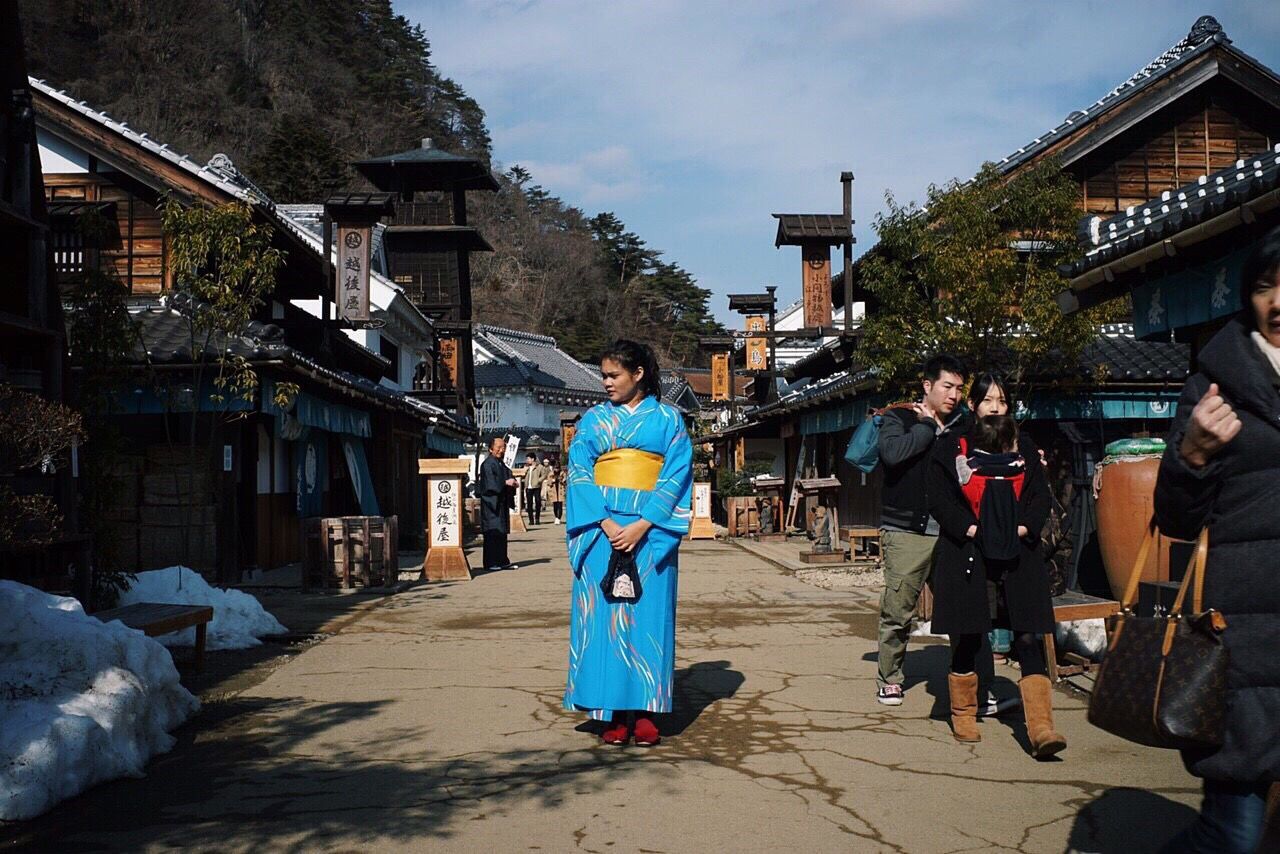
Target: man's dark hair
[[941, 363], [531, 456], [1263, 263], [495, 440], [995, 434]]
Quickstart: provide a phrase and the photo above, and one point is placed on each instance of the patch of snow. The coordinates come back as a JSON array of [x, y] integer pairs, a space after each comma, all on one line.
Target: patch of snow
[[81, 701], [1086, 638], [239, 620]]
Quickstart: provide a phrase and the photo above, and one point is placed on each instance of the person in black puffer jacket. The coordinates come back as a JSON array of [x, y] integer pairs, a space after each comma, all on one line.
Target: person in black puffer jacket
[[1222, 469]]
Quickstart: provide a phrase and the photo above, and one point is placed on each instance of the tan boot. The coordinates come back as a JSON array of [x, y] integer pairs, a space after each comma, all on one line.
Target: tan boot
[[963, 688], [1037, 702]]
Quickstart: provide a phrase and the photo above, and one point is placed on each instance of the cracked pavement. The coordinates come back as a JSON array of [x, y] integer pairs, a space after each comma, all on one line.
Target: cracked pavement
[[432, 720]]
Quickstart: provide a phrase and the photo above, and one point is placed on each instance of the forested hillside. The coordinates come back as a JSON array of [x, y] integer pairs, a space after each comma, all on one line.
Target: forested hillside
[[294, 90]]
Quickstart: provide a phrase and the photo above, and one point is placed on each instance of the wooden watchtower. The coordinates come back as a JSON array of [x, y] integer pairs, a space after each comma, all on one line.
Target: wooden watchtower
[[428, 248]]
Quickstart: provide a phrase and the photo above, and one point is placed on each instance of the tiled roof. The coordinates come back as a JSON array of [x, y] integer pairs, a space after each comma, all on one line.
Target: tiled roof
[[165, 338], [1128, 359], [1204, 35], [794, 228], [1175, 210], [528, 359]]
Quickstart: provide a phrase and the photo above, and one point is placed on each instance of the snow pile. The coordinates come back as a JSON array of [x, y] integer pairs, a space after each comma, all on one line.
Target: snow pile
[[239, 620], [1087, 638], [81, 701]]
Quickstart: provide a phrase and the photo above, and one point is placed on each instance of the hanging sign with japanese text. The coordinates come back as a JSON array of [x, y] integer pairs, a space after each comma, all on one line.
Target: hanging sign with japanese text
[[757, 347], [448, 363], [720, 376], [817, 284], [353, 272]]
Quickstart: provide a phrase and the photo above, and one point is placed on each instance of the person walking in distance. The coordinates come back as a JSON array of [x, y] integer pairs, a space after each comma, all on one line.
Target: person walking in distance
[[908, 533], [534, 474], [553, 490], [495, 487]]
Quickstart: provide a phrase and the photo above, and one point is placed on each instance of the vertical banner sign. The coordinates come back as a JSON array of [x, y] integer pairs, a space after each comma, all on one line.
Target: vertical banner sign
[[513, 448], [446, 513], [740, 453], [567, 431], [445, 560], [719, 376], [757, 347], [449, 363], [353, 272], [700, 527], [817, 284]]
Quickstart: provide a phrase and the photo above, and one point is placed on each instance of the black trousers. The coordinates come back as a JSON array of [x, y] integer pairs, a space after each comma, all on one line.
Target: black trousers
[[534, 497], [495, 550], [1027, 648], [558, 508]]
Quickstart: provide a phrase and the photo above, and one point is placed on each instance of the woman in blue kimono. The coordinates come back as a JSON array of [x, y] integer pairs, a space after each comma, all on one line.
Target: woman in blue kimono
[[629, 488]]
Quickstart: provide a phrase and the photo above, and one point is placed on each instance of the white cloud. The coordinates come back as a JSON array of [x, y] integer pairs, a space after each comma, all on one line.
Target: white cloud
[[695, 120]]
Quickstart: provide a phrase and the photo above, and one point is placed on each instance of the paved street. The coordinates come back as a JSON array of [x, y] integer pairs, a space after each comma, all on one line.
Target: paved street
[[432, 720]]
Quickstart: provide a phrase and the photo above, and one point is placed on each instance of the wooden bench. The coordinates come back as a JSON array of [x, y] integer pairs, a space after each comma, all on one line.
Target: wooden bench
[[864, 542], [1072, 605], [156, 618]]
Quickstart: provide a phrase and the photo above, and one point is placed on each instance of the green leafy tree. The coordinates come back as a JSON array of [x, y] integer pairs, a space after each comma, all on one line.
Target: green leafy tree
[[224, 267], [974, 273]]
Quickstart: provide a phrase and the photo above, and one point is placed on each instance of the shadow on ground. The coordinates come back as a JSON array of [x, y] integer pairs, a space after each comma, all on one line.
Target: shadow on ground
[[1128, 821], [267, 758]]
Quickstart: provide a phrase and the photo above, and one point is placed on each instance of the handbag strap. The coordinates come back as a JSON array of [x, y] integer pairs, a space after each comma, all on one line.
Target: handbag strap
[[1192, 580]]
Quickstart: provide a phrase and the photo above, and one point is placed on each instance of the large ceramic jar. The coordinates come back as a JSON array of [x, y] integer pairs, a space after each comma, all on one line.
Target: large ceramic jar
[[1126, 488]]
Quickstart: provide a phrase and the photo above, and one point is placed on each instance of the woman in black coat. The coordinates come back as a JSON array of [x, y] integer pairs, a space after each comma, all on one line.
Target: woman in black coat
[[1221, 468], [972, 593]]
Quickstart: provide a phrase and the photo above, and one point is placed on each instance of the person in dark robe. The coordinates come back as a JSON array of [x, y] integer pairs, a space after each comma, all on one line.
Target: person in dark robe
[[496, 488]]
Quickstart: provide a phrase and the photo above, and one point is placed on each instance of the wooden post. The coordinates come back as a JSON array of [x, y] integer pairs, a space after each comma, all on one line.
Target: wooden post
[[445, 560], [700, 526], [517, 520], [366, 569], [391, 565], [346, 554]]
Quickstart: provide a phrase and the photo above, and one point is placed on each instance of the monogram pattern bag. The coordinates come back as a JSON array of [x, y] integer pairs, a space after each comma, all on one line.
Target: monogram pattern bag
[[1163, 682]]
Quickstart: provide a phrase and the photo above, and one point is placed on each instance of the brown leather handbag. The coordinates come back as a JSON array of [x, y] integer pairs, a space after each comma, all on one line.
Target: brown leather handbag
[[1163, 682]]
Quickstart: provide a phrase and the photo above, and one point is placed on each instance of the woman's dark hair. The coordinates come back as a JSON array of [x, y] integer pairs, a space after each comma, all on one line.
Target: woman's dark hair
[[1263, 263], [633, 356], [995, 434], [982, 384]]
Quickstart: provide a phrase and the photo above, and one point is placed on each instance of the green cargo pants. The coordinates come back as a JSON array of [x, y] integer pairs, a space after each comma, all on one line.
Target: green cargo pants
[[907, 560]]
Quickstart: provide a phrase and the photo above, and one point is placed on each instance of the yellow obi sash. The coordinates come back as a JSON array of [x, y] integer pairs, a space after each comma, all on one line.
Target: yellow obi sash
[[628, 468]]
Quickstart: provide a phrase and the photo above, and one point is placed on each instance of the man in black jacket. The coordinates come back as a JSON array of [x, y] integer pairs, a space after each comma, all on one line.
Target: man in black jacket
[[907, 532], [495, 487]]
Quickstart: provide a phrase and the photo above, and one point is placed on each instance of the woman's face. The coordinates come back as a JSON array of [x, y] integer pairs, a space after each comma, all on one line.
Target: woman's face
[[994, 403], [1266, 307], [621, 385]]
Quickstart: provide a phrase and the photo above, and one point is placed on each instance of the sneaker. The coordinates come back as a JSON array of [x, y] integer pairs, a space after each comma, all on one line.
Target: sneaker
[[889, 695], [993, 707]]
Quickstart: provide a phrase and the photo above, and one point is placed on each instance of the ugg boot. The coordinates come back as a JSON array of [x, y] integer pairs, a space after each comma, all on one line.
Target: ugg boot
[[963, 688], [1037, 701]]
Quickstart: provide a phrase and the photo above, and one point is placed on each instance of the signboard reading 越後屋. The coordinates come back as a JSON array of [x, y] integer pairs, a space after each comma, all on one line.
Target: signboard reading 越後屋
[[352, 295], [446, 520]]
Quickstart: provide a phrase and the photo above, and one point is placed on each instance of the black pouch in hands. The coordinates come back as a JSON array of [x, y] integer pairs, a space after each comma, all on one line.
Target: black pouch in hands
[[622, 581]]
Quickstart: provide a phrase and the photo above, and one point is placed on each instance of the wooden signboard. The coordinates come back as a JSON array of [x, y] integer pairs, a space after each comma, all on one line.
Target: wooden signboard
[[740, 454], [700, 526], [448, 363], [352, 297], [517, 520], [445, 561], [720, 376], [568, 428], [817, 284], [757, 348]]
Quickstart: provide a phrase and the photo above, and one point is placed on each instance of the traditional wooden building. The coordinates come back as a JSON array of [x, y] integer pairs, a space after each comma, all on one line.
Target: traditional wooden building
[[346, 444]]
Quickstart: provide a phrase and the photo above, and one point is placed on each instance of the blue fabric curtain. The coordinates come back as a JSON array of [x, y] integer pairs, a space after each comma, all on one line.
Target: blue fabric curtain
[[361, 481]]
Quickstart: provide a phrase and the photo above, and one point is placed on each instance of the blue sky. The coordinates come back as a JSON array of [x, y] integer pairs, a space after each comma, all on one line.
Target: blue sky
[[695, 120]]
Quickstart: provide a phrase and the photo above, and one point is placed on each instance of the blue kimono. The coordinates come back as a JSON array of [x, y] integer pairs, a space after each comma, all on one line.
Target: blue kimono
[[622, 655]]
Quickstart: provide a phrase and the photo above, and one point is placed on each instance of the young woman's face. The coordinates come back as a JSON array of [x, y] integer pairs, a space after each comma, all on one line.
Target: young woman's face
[[994, 403], [1266, 307], [621, 385]]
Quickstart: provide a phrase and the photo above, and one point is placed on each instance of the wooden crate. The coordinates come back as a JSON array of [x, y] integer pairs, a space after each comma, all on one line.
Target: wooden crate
[[350, 551]]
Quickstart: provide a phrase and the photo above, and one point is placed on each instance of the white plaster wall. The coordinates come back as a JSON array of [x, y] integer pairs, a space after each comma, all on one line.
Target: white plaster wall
[[57, 156]]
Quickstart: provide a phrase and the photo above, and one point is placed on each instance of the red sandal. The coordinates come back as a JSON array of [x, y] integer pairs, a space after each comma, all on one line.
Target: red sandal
[[646, 731], [618, 733]]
